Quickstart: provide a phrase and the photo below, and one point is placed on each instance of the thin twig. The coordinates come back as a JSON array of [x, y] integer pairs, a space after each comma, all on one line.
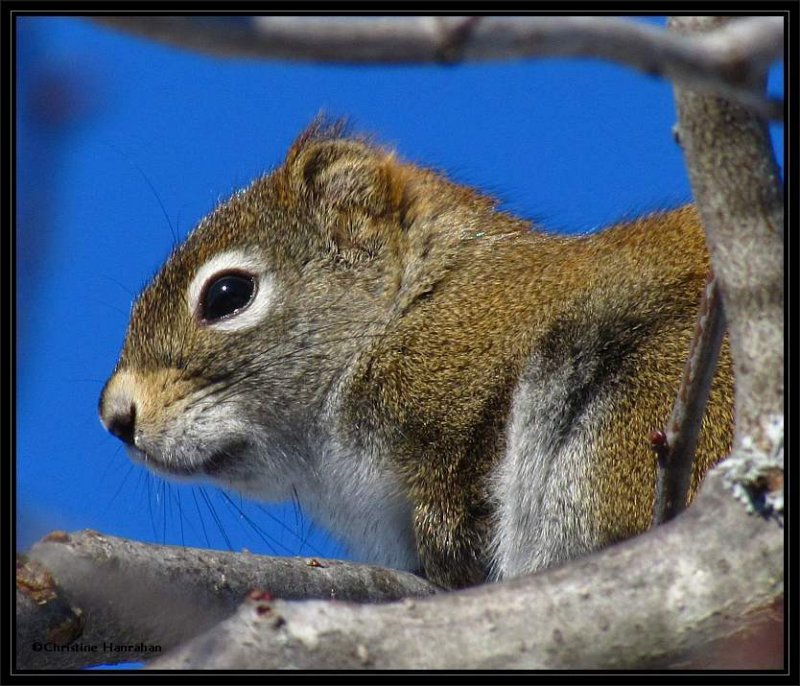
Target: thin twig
[[676, 450]]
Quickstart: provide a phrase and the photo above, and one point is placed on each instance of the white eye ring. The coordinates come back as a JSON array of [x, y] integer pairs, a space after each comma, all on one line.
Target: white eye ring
[[234, 262]]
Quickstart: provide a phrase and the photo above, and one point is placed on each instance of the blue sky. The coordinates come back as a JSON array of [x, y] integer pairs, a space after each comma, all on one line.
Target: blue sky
[[122, 141]]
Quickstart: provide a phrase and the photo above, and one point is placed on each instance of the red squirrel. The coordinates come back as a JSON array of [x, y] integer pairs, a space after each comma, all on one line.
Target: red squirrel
[[447, 388]]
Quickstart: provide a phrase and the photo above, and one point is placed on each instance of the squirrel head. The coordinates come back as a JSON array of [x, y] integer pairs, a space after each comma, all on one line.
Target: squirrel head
[[237, 346]]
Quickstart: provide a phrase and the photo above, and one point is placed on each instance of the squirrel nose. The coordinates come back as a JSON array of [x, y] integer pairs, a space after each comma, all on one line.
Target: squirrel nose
[[123, 424], [118, 414]]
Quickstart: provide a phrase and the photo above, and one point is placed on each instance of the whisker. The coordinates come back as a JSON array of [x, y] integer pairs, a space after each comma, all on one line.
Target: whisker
[[144, 176], [119, 488], [150, 510], [215, 517], [200, 517], [176, 496], [271, 541]]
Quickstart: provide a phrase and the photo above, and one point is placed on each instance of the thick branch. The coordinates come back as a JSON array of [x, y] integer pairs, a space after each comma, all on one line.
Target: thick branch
[[662, 596], [737, 186], [93, 590], [722, 61]]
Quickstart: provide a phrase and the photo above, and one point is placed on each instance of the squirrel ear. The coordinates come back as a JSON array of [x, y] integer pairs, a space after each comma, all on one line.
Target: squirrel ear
[[349, 174]]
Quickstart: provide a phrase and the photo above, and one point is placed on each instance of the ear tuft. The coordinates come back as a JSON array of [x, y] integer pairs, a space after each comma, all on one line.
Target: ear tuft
[[320, 129], [346, 173]]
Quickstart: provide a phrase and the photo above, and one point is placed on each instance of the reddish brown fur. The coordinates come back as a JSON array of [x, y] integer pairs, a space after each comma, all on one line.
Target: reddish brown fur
[[462, 296]]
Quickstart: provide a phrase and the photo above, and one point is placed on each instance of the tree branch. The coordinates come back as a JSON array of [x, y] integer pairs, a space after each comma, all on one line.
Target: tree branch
[[737, 186], [89, 590], [663, 596], [722, 61], [676, 452]]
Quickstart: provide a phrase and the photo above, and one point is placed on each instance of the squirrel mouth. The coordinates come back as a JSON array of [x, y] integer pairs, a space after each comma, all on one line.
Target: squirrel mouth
[[222, 460]]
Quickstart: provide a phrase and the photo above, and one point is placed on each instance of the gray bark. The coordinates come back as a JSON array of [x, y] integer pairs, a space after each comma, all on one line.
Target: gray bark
[[721, 61], [737, 187], [676, 454], [645, 603], [94, 590]]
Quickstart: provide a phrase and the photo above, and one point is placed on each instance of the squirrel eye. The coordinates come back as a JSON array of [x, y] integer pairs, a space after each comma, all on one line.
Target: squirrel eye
[[226, 295]]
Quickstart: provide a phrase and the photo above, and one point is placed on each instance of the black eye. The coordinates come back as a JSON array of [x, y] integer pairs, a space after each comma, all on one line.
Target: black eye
[[225, 295]]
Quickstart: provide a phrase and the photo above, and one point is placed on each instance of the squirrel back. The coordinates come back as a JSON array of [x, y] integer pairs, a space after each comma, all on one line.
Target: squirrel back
[[445, 387]]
